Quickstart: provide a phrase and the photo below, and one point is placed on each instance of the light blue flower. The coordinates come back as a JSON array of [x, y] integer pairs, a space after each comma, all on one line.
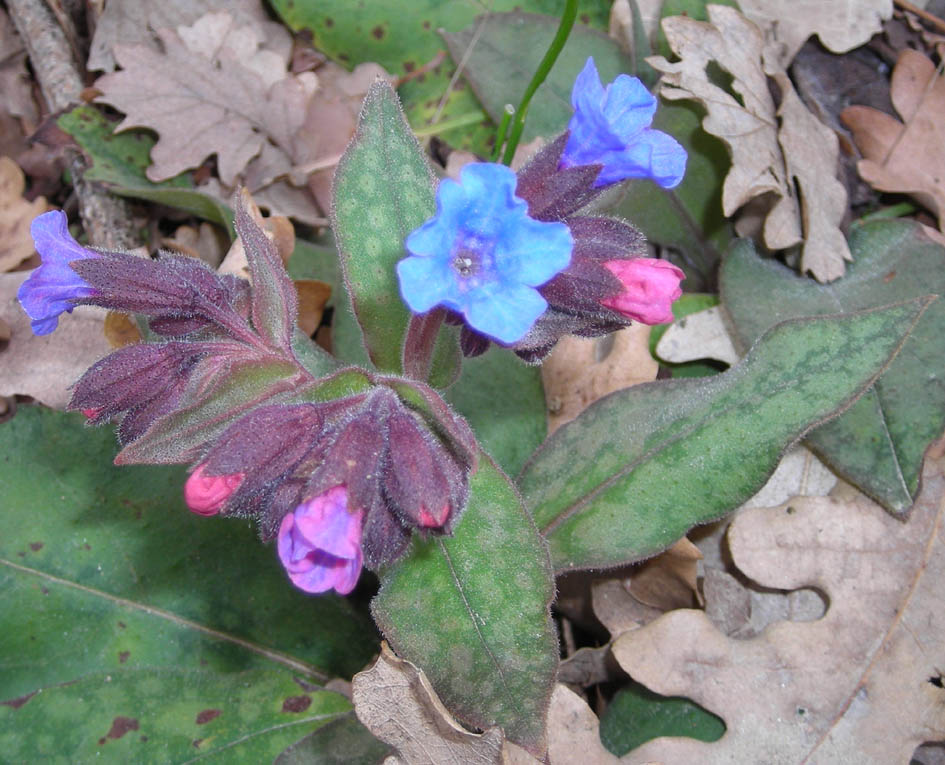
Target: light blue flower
[[53, 287], [481, 254], [611, 127]]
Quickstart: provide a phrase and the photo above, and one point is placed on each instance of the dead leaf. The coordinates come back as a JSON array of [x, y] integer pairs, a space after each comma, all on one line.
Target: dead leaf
[[329, 123], [206, 243], [45, 367], [617, 609], [862, 684], [15, 83], [313, 297], [768, 157], [574, 731], [120, 330], [16, 214], [700, 335], [621, 21], [277, 228], [395, 701], [670, 580], [909, 156], [581, 370], [132, 22], [841, 25], [213, 90]]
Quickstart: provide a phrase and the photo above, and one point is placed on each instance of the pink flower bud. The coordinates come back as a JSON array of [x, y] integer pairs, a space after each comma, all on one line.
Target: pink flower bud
[[320, 543], [649, 288], [206, 494]]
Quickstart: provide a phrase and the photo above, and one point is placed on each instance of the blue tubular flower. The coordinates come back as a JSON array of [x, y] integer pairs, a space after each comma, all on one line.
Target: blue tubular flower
[[611, 127], [53, 287], [482, 255]]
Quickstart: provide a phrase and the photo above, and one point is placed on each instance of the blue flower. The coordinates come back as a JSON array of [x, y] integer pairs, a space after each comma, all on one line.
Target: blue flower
[[53, 287], [611, 127], [483, 256]]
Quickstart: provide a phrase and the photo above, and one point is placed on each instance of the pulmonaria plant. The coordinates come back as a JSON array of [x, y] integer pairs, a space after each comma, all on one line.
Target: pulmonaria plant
[[513, 258], [342, 467], [338, 481]]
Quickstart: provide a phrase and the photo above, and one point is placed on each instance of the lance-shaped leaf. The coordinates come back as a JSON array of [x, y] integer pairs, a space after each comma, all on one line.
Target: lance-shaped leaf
[[273, 301], [383, 190], [879, 443], [640, 467], [472, 611]]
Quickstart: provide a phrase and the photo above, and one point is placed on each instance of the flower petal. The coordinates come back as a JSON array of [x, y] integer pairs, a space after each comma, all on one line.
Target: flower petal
[[654, 155], [425, 282], [504, 312], [532, 252]]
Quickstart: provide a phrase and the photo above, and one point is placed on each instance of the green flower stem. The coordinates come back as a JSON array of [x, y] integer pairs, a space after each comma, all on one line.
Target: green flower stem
[[507, 113], [464, 120], [561, 37]]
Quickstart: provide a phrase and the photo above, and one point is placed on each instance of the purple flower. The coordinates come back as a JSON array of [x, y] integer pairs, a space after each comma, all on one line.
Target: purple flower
[[611, 127], [53, 287], [320, 543], [482, 255]]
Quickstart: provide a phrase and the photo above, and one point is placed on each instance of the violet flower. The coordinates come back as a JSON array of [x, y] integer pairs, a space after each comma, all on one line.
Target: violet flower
[[482, 255], [611, 127], [53, 288], [320, 543]]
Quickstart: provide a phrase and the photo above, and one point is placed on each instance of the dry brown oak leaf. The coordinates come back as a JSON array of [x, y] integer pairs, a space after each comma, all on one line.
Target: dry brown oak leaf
[[395, 701], [841, 25], [16, 214], [909, 156], [861, 685], [132, 22], [212, 90], [771, 150], [46, 366]]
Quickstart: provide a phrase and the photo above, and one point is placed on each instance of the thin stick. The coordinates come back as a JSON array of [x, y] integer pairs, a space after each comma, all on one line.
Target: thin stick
[[106, 218], [931, 18]]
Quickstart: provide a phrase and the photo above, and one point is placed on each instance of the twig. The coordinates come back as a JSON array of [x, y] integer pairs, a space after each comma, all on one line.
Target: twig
[[106, 218], [931, 18]]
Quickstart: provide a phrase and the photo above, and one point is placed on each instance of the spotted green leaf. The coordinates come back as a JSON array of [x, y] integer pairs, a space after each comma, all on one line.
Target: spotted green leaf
[[472, 611], [640, 467], [878, 445], [132, 630], [383, 190]]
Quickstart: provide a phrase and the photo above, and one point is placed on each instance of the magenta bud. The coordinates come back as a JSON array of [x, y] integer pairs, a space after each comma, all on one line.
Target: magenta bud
[[206, 494], [320, 543], [649, 288]]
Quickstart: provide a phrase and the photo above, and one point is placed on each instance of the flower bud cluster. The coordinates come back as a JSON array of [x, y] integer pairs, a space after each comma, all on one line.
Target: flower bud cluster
[[339, 482]]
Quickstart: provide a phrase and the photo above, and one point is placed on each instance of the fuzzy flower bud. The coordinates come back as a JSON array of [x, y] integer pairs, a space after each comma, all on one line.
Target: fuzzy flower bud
[[649, 288], [319, 543], [206, 494]]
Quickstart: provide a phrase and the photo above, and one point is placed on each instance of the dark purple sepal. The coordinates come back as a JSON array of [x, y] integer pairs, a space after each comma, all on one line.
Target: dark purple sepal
[[173, 285], [274, 301], [133, 376], [472, 343], [385, 538], [423, 482], [139, 418], [451, 428], [553, 194]]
